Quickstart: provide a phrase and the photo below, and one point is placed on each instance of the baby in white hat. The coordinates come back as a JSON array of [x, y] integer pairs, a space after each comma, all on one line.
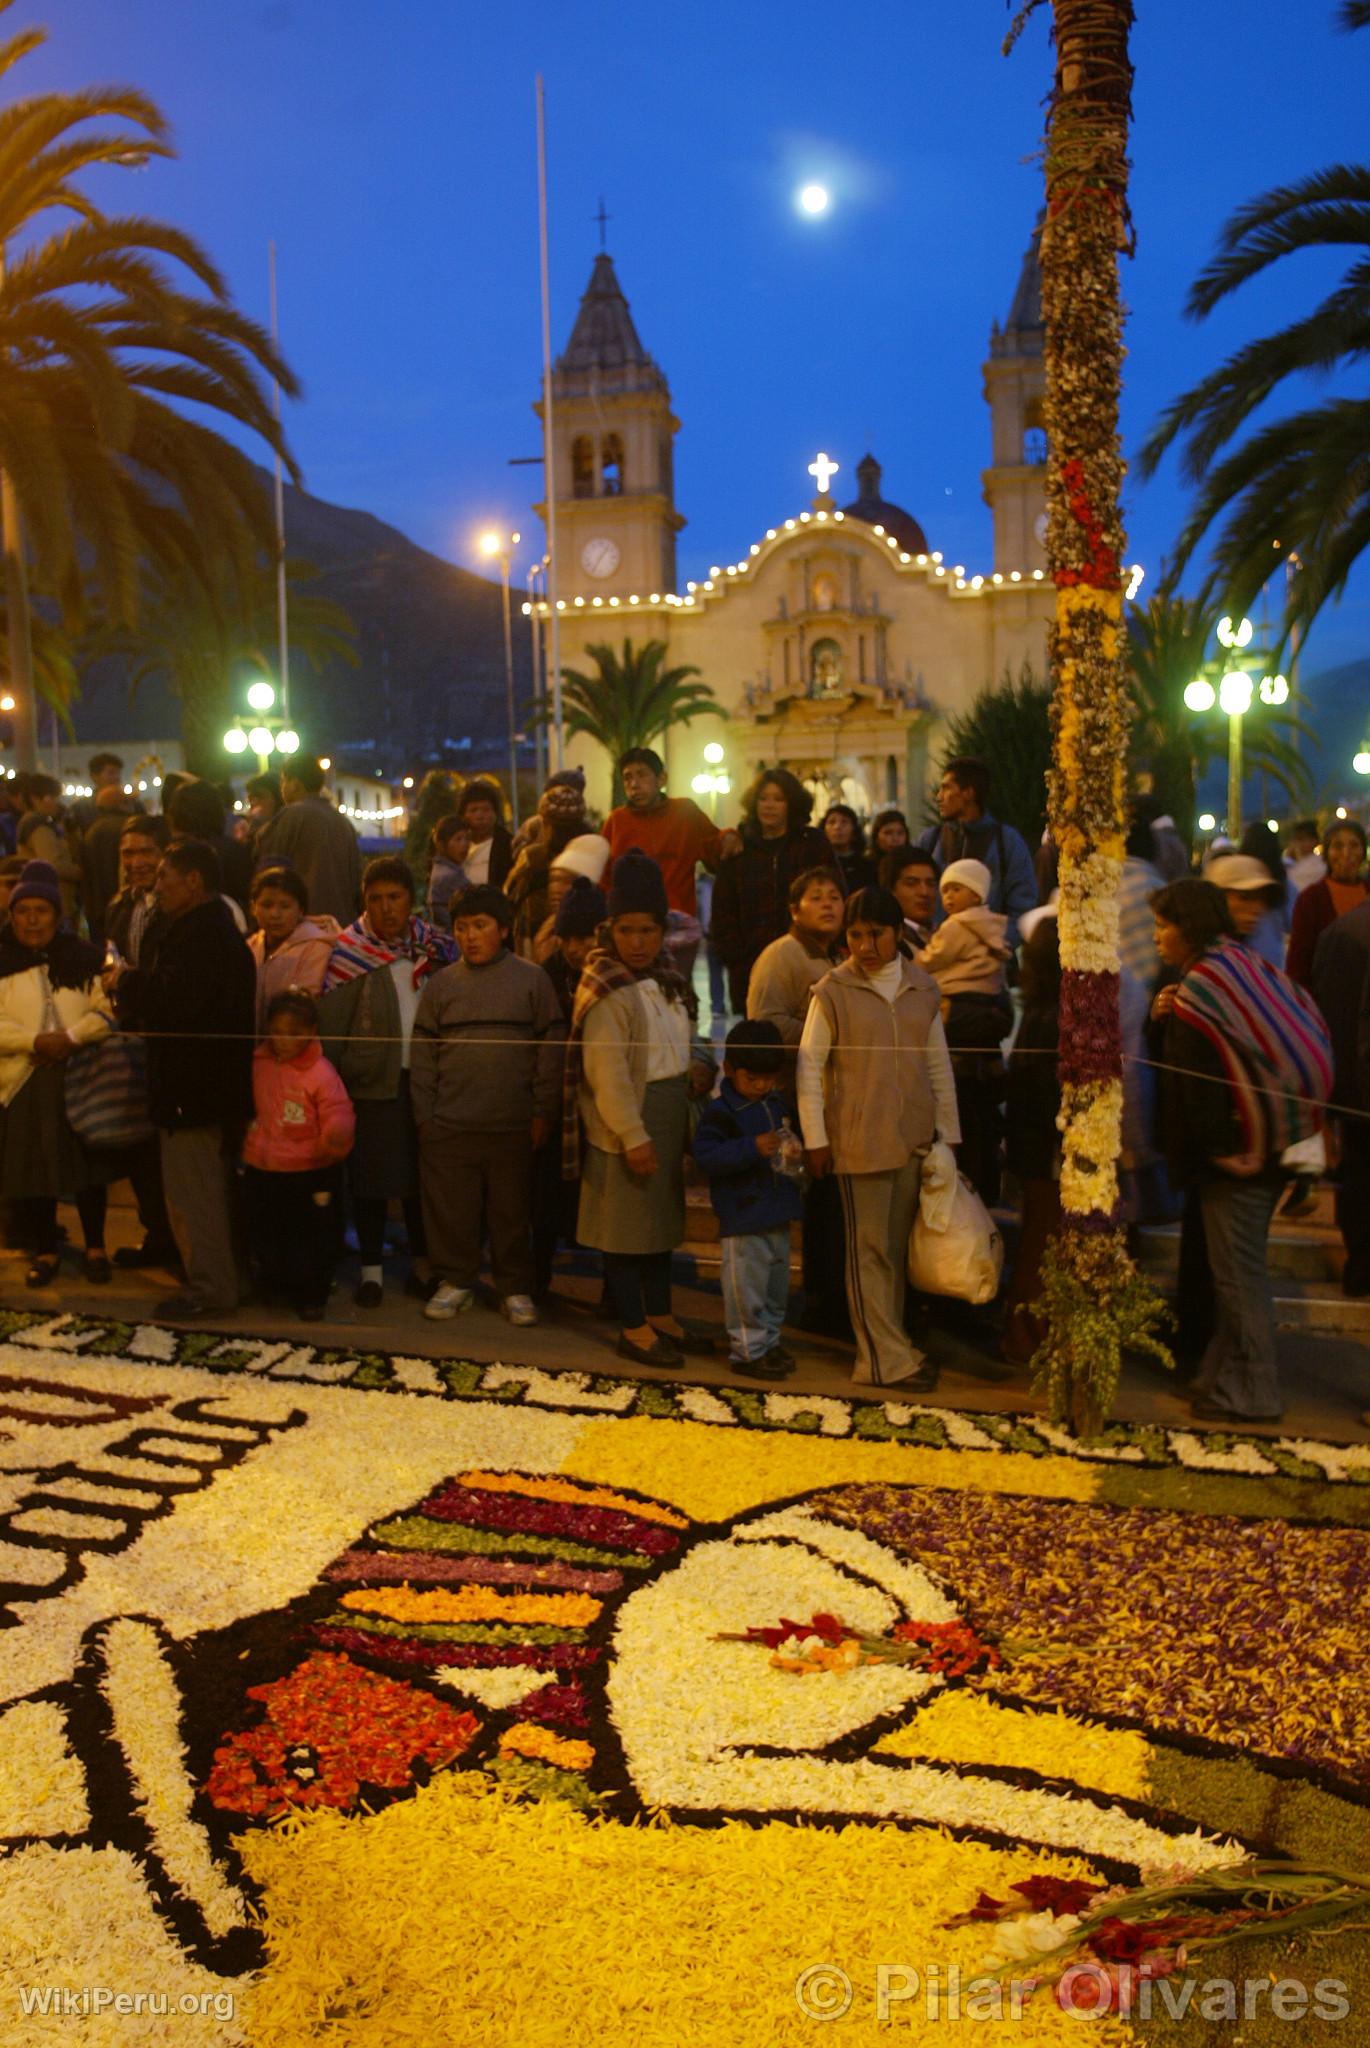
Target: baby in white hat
[[967, 952]]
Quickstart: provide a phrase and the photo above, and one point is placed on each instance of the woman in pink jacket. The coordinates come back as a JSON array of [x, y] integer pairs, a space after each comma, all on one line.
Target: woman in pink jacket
[[291, 948], [292, 1157]]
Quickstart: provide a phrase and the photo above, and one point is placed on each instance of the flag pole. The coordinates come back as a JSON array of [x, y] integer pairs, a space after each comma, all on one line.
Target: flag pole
[[549, 477], [282, 618]]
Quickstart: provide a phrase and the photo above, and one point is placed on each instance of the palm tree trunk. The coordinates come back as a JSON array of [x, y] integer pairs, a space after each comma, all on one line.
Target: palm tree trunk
[[19, 631], [1090, 1283]]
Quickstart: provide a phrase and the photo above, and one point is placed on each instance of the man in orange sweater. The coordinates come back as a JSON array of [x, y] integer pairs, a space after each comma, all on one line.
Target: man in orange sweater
[[672, 831]]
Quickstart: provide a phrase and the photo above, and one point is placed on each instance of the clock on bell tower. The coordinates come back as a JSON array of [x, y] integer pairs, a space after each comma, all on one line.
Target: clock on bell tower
[[613, 465]]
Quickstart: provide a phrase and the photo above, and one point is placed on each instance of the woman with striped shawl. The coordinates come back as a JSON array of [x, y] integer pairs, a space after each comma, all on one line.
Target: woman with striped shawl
[[1247, 1069], [371, 991]]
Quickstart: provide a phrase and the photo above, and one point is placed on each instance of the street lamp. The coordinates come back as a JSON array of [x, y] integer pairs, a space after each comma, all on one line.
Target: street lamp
[[497, 545], [267, 734], [1234, 694], [715, 781]]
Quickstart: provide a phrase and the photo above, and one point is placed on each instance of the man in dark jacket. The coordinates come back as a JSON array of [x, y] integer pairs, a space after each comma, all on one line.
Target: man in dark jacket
[[100, 844], [197, 1003], [312, 837], [1341, 989], [969, 831]]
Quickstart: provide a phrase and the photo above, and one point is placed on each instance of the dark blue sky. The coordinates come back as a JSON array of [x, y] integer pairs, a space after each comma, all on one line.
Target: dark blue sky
[[389, 149]]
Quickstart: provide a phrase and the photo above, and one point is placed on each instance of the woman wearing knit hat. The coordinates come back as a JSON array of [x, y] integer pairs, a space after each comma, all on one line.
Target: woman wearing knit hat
[[560, 819], [875, 1093], [966, 957], [51, 1002], [626, 1079], [574, 931], [583, 858]]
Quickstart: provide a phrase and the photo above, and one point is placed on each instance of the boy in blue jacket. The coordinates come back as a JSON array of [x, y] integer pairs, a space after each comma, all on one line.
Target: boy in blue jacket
[[746, 1146]]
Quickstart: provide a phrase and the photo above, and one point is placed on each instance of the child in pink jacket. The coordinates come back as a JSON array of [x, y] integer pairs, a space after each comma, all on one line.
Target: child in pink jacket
[[292, 1157]]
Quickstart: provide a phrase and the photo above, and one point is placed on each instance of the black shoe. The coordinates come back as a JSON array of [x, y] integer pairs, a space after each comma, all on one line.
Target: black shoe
[[696, 1340], [767, 1367], [663, 1352], [923, 1381], [185, 1308], [43, 1271], [133, 1257], [419, 1289], [369, 1295], [782, 1355], [1204, 1410]]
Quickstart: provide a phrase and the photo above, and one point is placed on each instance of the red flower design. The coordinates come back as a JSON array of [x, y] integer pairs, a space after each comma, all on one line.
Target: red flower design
[[329, 1728]]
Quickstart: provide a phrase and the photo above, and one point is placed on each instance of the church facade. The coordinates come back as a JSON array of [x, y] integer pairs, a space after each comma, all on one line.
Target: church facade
[[840, 640]]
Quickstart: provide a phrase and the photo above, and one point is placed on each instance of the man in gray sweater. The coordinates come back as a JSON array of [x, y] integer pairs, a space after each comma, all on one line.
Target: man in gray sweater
[[485, 1080]]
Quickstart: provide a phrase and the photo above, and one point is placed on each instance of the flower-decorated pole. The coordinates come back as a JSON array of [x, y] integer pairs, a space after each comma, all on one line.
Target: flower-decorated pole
[[1093, 1301]]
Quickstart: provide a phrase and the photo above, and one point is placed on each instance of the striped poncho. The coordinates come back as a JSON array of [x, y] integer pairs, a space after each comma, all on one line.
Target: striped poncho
[[1270, 1037]]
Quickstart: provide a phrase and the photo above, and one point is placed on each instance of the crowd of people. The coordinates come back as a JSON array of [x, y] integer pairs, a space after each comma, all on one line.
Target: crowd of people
[[286, 1051]]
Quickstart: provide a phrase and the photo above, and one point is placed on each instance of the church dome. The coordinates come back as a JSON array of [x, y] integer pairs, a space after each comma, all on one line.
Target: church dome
[[877, 511]]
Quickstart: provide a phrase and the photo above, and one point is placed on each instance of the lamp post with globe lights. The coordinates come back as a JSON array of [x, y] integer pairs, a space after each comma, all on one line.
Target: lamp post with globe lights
[[714, 782], [495, 545], [1234, 693], [267, 734]]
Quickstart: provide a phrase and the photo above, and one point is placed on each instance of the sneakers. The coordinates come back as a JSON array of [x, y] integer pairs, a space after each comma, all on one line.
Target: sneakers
[[449, 1301], [519, 1309]]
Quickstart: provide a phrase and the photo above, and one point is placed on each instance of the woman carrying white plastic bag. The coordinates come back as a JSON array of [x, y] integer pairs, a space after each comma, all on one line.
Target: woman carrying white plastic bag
[[875, 1091]]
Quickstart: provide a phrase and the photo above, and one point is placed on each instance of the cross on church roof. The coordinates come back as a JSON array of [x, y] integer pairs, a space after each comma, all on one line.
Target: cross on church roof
[[824, 471], [603, 219]]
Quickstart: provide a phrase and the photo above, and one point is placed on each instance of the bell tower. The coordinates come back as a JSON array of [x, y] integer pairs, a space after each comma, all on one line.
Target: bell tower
[[1015, 386], [612, 457]]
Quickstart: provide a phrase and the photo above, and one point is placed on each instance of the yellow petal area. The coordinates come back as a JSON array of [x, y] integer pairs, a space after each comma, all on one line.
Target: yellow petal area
[[959, 1727], [714, 1472], [42, 1786], [474, 1603], [577, 1496], [460, 1916], [527, 1738]]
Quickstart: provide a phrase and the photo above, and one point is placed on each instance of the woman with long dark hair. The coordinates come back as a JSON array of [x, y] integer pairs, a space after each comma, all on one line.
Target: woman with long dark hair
[[846, 837], [751, 902]]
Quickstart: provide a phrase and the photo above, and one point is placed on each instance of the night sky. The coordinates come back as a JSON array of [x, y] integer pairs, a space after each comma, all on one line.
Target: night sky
[[389, 150]]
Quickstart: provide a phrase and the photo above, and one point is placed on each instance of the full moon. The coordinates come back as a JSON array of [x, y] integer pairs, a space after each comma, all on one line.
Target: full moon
[[813, 199]]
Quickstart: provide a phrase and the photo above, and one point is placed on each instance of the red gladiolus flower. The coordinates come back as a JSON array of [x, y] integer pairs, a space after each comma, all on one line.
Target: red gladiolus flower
[[1057, 1894]]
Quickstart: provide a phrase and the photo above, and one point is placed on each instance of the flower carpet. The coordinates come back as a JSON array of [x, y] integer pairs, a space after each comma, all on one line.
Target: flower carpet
[[385, 1700]]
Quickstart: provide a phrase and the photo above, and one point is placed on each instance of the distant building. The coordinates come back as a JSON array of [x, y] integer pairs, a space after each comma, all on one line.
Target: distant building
[[839, 640]]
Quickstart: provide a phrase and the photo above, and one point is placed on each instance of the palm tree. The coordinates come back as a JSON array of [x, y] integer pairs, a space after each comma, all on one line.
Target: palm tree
[[1009, 723], [201, 640], [1300, 484], [1167, 647], [109, 327], [630, 701]]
